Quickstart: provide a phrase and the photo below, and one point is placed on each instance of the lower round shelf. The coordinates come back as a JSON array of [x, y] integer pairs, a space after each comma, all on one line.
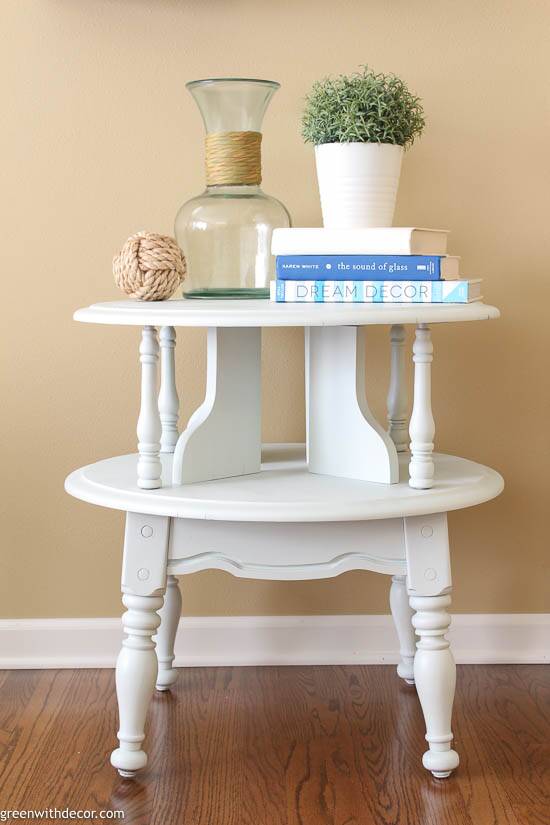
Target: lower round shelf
[[284, 490]]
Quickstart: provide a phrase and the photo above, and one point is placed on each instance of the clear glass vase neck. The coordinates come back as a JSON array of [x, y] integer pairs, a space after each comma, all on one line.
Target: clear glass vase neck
[[233, 190], [232, 104]]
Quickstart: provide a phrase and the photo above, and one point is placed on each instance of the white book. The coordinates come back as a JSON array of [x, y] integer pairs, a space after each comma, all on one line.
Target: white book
[[377, 240]]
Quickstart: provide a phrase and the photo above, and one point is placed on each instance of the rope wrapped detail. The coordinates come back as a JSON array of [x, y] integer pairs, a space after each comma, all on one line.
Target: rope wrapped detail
[[233, 158], [149, 266]]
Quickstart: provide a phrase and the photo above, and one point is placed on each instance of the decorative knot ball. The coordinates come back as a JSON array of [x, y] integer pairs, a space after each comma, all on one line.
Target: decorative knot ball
[[149, 266]]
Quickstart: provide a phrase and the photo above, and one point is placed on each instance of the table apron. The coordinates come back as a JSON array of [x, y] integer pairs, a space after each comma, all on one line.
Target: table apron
[[286, 551]]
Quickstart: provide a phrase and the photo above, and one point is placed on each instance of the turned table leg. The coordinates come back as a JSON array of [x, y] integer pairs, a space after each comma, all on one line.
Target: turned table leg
[[136, 672], [429, 586], [435, 677], [143, 586], [169, 620], [422, 426], [168, 401], [397, 392], [402, 617], [149, 468]]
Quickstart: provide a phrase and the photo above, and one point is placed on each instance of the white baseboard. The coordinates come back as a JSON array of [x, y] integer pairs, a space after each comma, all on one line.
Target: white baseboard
[[273, 640]]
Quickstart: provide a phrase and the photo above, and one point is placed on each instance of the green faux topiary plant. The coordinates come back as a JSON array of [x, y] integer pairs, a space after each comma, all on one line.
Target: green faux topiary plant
[[360, 125], [364, 107]]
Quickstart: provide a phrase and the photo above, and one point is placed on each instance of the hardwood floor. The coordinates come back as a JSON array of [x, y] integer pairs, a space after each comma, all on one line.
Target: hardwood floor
[[281, 746]]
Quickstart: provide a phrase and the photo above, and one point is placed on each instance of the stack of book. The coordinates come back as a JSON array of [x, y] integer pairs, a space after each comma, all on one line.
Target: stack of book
[[374, 265]]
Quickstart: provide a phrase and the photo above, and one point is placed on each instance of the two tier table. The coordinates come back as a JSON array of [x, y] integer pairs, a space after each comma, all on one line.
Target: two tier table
[[356, 496]]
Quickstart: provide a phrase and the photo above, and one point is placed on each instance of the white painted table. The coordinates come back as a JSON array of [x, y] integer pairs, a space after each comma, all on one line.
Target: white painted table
[[354, 499]]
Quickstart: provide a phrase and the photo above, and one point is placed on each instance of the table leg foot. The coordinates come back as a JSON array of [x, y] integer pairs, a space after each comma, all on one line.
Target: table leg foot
[[441, 764], [127, 762]]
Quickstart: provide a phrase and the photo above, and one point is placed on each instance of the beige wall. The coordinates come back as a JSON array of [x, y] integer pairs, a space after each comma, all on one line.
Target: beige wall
[[100, 139]]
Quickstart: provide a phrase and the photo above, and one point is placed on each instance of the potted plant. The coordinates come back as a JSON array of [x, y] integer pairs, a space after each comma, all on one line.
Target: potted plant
[[360, 125]]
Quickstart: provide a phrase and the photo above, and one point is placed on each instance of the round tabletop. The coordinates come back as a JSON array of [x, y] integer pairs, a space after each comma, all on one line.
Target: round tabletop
[[285, 491], [263, 313]]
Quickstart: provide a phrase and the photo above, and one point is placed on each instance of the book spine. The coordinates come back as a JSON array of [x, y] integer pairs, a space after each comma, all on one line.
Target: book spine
[[358, 267], [372, 292]]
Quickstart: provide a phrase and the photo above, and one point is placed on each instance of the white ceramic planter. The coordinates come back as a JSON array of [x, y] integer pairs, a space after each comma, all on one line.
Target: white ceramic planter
[[358, 183]]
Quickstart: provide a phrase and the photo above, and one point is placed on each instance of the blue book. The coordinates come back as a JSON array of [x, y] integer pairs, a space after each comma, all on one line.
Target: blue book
[[376, 292], [366, 267]]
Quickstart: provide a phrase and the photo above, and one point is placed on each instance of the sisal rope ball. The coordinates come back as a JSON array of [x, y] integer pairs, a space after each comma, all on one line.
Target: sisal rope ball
[[149, 266]]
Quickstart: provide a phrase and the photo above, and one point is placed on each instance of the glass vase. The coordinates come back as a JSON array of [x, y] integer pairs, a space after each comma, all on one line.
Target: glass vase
[[225, 233]]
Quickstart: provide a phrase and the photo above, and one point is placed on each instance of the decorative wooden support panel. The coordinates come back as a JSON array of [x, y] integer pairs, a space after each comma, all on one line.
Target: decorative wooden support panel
[[343, 437], [223, 437], [422, 426], [397, 393], [168, 401], [149, 467]]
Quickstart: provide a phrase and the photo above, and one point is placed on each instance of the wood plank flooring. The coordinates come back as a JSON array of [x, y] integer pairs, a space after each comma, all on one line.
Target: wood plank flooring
[[281, 746]]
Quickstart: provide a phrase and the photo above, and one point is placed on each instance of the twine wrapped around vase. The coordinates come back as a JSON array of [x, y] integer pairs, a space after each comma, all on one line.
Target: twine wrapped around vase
[[233, 158], [149, 266]]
